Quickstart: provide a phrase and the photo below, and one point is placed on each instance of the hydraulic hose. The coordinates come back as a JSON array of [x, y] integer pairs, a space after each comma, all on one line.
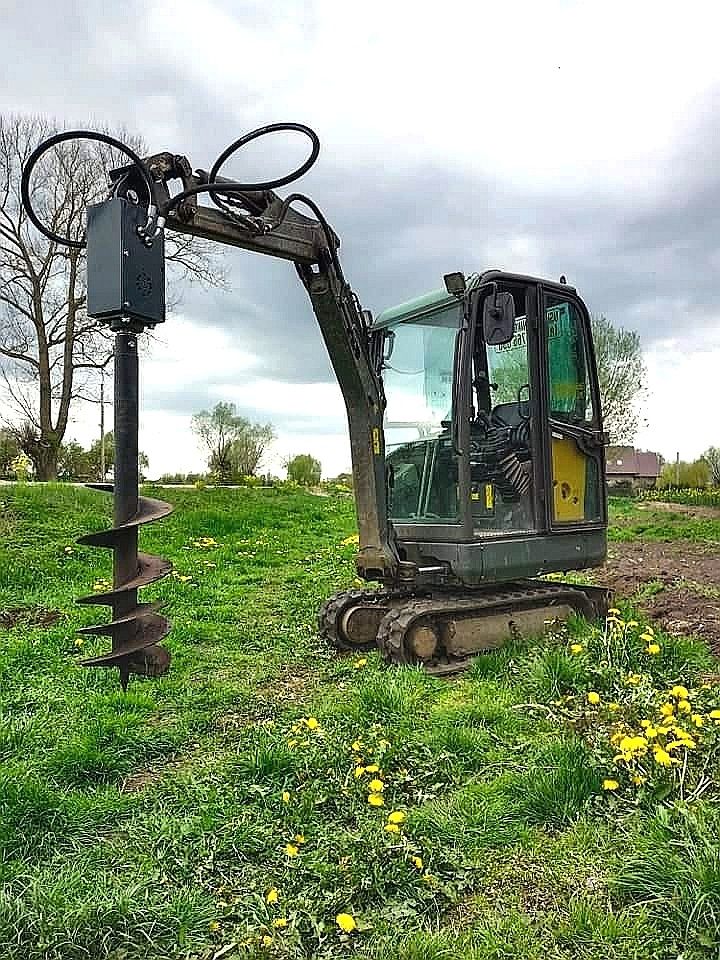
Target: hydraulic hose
[[51, 142], [158, 210]]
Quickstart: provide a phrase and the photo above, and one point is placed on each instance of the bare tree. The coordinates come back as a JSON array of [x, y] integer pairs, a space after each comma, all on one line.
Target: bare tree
[[622, 376], [50, 350], [712, 459], [235, 446]]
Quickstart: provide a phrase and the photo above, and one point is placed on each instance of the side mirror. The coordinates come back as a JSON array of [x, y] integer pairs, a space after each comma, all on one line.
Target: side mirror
[[498, 318], [388, 344]]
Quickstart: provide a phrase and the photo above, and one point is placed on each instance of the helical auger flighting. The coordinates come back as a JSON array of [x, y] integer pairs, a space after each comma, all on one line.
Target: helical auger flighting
[[136, 628]]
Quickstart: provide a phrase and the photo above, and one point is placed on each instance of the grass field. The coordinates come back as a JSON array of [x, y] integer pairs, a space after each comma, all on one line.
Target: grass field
[[224, 810]]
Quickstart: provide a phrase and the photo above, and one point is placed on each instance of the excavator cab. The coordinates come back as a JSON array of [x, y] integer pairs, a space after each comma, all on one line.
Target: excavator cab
[[494, 441]]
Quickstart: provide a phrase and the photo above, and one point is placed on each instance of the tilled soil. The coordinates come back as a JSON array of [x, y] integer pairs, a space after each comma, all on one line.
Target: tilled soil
[[677, 583]]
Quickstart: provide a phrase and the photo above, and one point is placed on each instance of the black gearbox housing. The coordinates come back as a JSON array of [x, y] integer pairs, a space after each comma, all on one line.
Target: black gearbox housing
[[125, 277]]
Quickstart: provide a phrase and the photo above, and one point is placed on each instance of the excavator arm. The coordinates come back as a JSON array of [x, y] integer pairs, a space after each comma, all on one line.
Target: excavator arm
[[264, 223]]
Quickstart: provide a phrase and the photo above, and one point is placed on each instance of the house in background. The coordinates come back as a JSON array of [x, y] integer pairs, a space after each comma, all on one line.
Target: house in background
[[630, 469]]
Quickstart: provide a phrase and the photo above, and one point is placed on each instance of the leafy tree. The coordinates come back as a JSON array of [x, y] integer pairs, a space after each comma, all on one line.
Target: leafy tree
[[712, 459], [95, 459], [304, 469], [695, 474], [50, 350], [622, 376], [235, 445], [248, 448], [74, 462], [9, 449]]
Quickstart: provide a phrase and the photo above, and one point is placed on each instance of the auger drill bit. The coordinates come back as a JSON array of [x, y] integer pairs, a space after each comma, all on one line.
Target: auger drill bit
[[136, 628]]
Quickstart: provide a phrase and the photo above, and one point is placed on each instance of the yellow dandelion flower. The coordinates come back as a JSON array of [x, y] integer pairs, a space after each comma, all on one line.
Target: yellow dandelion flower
[[644, 723], [631, 624], [610, 784], [684, 706], [292, 742], [299, 838], [663, 757], [653, 649], [346, 922], [375, 800], [280, 922], [667, 710], [311, 723], [359, 771], [357, 746], [651, 732], [397, 816], [613, 611], [286, 796], [291, 850], [383, 744], [266, 941], [213, 926], [638, 779], [272, 896], [698, 719], [714, 715], [417, 862], [632, 679], [680, 692], [359, 664], [376, 786], [576, 648], [428, 877], [372, 768], [348, 541], [392, 828], [593, 698]]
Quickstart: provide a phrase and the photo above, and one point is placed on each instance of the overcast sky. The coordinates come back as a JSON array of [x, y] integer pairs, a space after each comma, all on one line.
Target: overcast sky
[[543, 137]]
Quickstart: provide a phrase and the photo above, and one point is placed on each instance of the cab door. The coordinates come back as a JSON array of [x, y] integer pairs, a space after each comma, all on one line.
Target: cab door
[[576, 451]]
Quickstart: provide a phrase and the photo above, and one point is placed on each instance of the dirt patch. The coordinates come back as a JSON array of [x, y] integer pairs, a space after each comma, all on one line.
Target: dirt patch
[[677, 583], [28, 617], [683, 508]]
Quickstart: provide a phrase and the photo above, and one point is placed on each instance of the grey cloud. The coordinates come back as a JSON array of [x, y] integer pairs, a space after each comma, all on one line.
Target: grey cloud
[[648, 263]]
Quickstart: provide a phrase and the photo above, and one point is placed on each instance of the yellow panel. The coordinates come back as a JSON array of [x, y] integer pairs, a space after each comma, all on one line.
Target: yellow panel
[[569, 469]]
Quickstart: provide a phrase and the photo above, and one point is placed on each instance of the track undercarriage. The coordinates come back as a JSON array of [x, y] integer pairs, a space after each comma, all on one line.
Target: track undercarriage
[[442, 630]]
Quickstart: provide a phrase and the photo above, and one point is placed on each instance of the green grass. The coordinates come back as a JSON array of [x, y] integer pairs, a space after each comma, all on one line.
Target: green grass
[[641, 520], [152, 825]]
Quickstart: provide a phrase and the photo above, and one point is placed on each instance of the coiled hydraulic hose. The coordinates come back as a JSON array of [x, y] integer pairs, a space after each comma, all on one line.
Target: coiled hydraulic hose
[[158, 210]]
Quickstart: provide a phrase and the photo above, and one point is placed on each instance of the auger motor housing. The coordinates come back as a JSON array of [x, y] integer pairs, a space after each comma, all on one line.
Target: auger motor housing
[[125, 271]]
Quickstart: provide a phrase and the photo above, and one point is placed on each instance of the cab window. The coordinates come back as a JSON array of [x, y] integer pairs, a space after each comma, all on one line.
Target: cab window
[[570, 394]]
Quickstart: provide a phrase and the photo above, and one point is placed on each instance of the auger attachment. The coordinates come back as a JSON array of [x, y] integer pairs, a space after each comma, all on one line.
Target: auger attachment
[[136, 628]]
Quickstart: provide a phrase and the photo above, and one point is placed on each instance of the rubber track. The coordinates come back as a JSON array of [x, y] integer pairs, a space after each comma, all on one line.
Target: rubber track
[[396, 623], [332, 611]]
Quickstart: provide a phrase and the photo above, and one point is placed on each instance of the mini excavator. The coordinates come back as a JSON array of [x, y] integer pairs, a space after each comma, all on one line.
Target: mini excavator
[[473, 411]]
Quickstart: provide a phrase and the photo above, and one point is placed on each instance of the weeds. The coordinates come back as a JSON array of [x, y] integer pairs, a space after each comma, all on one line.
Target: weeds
[[268, 798]]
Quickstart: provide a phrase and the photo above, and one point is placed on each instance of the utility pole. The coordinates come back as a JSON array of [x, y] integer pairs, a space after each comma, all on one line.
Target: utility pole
[[102, 425], [677, 469]]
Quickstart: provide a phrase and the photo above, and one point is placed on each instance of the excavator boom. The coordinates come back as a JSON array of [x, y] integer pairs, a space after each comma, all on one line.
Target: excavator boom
[[272, 227]]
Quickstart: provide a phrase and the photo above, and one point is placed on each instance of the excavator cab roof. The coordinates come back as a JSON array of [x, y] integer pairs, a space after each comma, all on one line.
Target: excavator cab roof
[[438, 299]]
